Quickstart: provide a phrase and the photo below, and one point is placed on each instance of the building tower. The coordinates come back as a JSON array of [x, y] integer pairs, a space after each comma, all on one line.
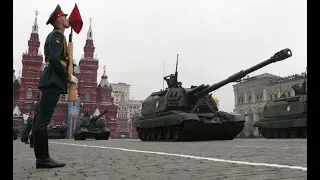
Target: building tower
[[31, 71], [105, 101], [88, 76]]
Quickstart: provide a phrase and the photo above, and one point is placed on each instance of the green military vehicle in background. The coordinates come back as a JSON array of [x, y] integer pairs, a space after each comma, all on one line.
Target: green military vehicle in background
[[57, 131], [92, 127], [286, 117]]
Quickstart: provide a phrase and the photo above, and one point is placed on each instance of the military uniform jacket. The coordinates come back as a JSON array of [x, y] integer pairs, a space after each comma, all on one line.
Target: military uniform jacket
[[56, 72]]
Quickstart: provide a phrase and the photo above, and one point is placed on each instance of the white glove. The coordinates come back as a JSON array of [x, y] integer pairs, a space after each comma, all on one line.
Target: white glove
[[74, 62], [74, 79]]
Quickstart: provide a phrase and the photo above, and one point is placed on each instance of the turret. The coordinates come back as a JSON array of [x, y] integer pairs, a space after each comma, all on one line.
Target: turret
[[99, 116]]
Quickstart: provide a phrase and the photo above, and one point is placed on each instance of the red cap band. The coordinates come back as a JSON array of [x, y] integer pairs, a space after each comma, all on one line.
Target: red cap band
[[59, 13]]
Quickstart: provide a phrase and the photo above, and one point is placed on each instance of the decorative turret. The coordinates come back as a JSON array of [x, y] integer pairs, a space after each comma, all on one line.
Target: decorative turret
[[89, 47], [122, 99], [104, 78], [96, 112], [16, 111], [34, 42]]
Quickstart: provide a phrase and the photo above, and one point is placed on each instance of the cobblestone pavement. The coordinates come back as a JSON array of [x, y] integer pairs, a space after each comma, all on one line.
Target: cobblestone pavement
[[239, 159]]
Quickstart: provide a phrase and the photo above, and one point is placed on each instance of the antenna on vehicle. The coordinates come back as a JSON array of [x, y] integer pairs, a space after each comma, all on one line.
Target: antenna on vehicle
[[164, 66], [280, 84]]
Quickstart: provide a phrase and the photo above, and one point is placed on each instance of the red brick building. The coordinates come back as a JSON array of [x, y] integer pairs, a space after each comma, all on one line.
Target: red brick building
[[93, 95]]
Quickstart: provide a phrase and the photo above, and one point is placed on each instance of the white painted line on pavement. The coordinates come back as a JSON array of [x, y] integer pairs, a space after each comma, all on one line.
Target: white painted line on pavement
[[271, 147], [188, 156]]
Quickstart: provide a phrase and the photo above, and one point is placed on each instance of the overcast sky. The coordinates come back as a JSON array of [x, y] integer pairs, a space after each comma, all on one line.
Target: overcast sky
[[214, 39]]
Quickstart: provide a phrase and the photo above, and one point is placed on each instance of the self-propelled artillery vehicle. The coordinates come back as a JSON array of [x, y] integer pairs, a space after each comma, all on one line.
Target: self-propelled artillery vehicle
[[57, 131], [92, 127], [191, 114], [286, 117]]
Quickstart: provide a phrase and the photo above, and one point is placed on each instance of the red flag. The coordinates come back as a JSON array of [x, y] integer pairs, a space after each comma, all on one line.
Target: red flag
[[75, 20]]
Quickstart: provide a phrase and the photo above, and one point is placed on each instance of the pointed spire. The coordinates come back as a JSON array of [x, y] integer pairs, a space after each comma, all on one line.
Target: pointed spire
[[19, 77], [96, 112], [35, 24], [16, 111], [89, 34], [104, 71], [89, 47], [104, 78]]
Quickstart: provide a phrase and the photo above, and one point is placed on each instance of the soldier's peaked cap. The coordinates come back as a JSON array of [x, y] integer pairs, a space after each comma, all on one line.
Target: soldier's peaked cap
[[55, 14]]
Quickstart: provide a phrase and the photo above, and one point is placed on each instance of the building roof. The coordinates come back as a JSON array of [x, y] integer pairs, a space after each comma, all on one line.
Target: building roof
[[16, 111], [96, 112], [120, 83], [104, 78], [266, 75]]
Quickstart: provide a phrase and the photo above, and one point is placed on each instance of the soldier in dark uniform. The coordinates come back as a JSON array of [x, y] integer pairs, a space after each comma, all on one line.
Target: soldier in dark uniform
[[27, 128], [172, 81], [36, 111], [53, 83]]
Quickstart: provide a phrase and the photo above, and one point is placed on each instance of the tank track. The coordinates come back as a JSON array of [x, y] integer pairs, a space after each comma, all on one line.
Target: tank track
[[98, 136], [281, 133], [186, 132]]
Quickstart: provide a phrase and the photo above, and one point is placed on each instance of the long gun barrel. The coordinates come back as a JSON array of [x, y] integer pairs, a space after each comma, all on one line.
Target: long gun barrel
[[279, 56], [197, 89], [99, 116]]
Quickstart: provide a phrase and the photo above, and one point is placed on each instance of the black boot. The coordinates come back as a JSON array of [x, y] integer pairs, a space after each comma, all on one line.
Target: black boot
[[41, 151], [26, 139]]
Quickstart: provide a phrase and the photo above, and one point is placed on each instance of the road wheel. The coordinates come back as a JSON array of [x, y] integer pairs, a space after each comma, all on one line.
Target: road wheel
[[284, 133], [152, 134], [158, 134], [267, 133], [148, 134], [142, 134], [176, 133], [294, 133], [276, 133], [167, 133]]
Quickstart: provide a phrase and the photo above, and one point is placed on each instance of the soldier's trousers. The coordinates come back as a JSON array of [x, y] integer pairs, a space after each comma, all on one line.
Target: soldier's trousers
[[49, 98], [32, 133], [26, 132]]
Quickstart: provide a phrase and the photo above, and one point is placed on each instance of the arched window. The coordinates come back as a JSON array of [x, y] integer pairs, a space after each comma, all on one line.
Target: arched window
[[29, 93], [88, 95], [104, 97]]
